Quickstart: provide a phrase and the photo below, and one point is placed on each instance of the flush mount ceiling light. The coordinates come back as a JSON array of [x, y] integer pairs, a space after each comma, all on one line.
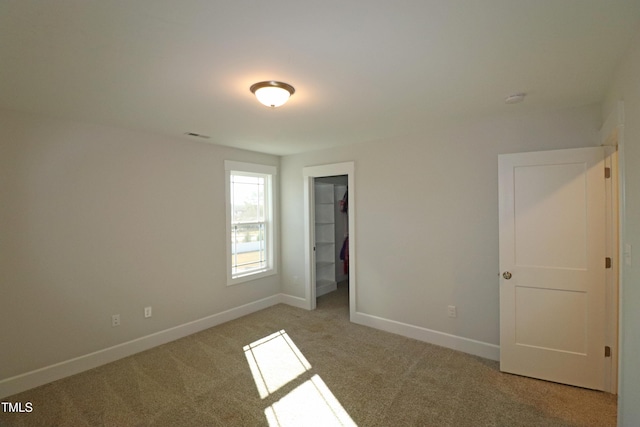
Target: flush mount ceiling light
[[271, 93]]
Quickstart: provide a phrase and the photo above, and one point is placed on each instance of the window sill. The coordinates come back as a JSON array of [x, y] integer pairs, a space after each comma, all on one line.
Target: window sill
[[251, 276]]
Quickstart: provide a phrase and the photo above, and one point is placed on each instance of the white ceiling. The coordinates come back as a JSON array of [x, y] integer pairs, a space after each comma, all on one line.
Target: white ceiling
[[362, 69]]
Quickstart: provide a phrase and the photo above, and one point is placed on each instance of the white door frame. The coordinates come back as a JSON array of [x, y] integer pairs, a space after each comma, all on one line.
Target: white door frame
[[308, 175], [611, 136]]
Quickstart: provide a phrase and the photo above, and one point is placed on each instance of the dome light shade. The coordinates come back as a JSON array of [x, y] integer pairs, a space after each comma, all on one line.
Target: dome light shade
[[271, 93]]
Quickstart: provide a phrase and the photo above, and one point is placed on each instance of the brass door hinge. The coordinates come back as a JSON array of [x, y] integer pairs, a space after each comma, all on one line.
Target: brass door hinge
[[607, 351], [607, 172], [607, 262]]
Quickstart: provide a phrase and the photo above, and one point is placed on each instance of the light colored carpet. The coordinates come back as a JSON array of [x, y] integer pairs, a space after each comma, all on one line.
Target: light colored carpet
[[372, 378]]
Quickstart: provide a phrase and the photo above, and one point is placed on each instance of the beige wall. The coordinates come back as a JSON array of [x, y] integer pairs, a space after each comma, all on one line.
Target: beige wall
[[96, 221], [427, 216], [626, 88]]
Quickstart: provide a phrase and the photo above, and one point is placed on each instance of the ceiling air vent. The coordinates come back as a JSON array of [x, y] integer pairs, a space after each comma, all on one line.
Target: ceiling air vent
[[197, 135]]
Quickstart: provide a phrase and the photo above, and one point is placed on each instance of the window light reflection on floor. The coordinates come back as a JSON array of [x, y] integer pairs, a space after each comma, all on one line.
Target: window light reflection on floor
[[276, 361], [309, 404]]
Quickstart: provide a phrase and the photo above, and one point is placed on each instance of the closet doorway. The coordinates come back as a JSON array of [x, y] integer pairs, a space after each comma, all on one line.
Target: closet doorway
[[330, 233]]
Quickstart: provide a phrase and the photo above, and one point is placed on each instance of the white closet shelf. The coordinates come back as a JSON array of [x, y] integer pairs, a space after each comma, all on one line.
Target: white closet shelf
[[325, 219], [324, 282], [324, 263]]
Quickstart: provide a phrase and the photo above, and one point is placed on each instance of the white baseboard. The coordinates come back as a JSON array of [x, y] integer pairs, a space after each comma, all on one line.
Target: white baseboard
[[466, 345], [325, 289], [47, 374], [294, 301]]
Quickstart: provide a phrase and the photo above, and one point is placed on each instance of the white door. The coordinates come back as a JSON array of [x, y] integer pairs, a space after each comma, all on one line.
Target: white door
[[552, 263]]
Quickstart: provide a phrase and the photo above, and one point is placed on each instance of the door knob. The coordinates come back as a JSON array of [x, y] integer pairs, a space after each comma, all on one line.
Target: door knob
[[506, 275]]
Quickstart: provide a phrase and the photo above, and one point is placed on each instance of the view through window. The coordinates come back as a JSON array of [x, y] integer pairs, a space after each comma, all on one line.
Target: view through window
[[249, 221], [248, 224]]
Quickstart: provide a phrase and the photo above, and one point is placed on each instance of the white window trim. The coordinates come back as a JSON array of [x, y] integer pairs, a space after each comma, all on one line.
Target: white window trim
[[272, 232]]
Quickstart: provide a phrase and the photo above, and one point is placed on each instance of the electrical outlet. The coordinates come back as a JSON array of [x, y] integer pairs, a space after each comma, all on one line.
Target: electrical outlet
[[452, 311], [115, 320], [147, 312]]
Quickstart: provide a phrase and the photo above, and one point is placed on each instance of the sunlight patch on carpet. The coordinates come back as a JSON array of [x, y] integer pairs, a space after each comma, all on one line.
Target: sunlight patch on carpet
[[276, 361], [309, 404]]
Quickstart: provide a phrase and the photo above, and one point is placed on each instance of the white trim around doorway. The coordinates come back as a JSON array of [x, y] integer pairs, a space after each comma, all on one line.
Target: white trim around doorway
[[309, 174]]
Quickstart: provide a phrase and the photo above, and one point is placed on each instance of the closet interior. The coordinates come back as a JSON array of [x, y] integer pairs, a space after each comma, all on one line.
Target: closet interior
[[331, 233]]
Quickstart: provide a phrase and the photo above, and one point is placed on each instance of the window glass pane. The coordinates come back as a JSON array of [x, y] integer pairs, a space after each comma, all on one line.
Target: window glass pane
[[247, 198], [248, 247], [247, 179], [250, 221]]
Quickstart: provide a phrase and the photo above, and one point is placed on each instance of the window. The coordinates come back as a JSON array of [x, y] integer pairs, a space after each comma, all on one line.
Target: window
[[250, 221]]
